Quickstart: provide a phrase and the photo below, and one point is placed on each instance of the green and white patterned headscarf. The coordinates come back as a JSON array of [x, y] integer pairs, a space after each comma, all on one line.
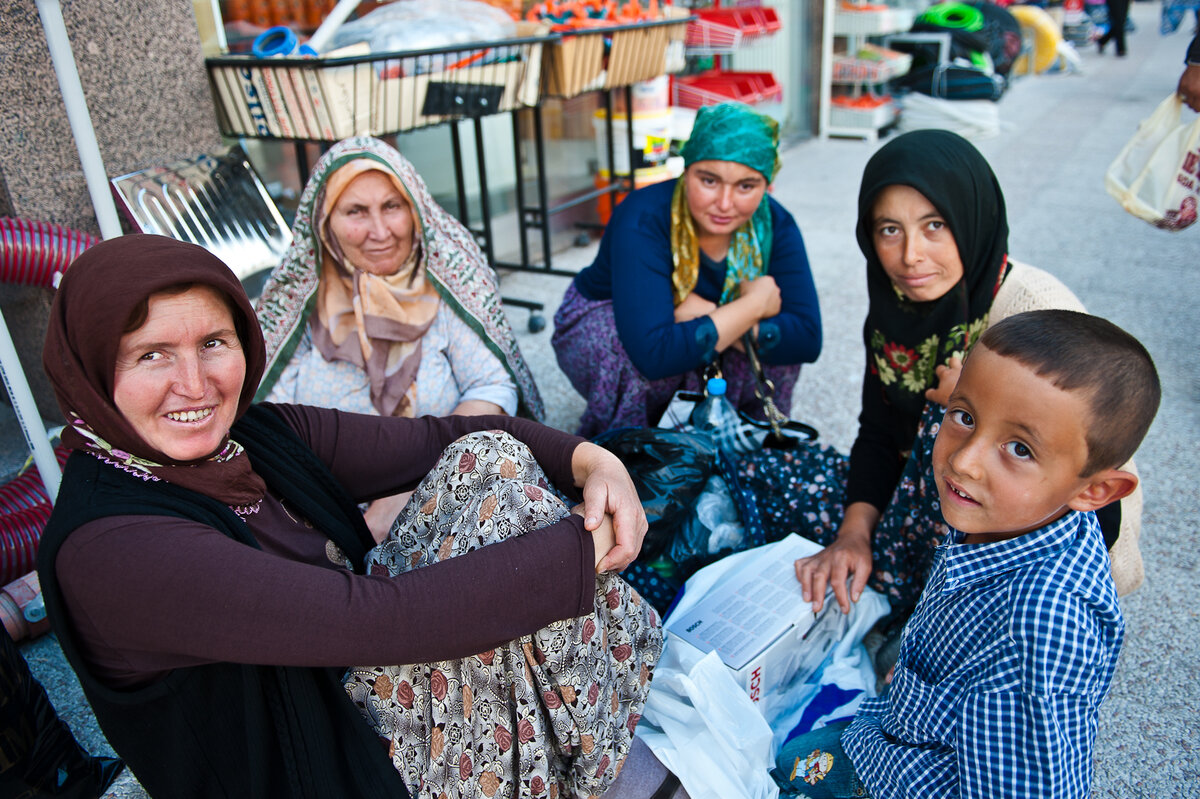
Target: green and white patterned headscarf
[[454, 264]]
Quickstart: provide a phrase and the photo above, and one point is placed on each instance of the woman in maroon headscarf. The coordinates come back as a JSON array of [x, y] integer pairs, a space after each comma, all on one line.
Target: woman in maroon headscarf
[[210, 577]]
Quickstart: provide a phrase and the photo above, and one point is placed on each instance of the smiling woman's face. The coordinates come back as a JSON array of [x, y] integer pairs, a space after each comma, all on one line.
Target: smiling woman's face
[[179, 376], [914, 244]]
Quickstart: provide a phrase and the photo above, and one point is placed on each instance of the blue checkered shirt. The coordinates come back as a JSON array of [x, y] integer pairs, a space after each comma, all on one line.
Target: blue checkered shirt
[[1002, 669]]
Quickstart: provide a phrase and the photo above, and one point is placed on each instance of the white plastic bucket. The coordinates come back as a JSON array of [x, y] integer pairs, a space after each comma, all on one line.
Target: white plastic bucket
[[651, 140]]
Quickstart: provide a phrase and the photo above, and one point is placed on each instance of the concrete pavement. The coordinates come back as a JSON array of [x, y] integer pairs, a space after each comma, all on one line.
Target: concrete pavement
[[1060, 133]]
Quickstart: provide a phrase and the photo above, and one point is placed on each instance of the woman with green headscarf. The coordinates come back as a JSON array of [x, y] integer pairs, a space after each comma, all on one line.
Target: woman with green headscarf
[[685, 268]]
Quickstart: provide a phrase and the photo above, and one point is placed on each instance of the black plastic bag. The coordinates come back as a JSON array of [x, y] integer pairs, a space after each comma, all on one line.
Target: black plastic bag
[[39, 757], [670, 469], [1003, 35], [953, 82]]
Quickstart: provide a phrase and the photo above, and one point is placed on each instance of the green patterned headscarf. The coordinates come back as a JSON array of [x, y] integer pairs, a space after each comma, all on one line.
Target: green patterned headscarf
[[734, 132], [726, 132]]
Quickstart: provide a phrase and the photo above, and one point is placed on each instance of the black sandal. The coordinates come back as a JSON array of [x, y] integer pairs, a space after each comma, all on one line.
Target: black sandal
[[668, 787]]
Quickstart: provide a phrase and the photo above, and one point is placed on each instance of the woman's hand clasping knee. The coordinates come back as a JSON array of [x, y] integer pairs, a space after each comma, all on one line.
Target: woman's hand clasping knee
[[609, 490]]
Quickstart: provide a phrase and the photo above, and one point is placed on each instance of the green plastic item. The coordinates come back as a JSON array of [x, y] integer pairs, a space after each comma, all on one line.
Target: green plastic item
[[959, 16]]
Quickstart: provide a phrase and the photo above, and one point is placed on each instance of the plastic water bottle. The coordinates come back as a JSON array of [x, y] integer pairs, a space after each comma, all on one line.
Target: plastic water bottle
[[716, 416]]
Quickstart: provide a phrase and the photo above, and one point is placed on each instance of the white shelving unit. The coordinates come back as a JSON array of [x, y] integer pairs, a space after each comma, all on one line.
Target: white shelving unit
[[857, 77]]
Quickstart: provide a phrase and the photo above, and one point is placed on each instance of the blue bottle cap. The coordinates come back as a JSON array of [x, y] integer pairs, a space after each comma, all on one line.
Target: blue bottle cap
[[716, 385]]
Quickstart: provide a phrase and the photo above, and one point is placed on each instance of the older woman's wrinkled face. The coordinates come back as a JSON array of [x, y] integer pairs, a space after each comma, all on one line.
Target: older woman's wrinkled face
[[722, 195], [373, 223], [179, 376], [914, 244]]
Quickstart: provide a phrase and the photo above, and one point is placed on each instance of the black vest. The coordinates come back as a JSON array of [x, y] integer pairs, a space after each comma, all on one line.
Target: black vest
[[227, 729]]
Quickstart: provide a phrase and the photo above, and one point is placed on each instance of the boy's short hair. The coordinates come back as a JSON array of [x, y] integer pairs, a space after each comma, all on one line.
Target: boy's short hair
[[1076, 351]]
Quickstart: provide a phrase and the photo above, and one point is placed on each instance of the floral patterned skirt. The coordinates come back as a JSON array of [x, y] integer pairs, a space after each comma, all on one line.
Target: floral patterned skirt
[[803, 491], [551, 714]]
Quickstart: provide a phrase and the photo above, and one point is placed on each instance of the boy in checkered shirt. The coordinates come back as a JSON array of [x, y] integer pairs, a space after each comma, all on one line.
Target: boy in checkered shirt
[[1012, 647]]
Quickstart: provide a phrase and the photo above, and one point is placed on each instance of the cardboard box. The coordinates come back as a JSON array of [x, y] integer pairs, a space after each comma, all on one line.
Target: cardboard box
[[759, 624]]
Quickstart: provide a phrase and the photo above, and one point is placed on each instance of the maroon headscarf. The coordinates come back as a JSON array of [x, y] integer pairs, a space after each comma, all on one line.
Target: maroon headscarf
[[87, 318]]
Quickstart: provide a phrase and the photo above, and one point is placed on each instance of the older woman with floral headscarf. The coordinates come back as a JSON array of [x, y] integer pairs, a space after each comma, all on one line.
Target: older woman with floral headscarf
[[213, 584], [684, 270]]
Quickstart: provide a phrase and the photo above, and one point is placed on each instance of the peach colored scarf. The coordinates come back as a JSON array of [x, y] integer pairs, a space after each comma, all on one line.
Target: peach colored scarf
[[374, 321], [450, 260]]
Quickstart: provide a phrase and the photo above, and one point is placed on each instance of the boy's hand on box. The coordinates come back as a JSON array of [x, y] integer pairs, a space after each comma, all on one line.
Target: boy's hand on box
[[847, 557]]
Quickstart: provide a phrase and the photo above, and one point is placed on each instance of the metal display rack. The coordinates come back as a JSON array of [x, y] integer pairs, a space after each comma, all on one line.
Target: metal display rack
[[719, 32], [859, 111], [374, 94], [380, 94], [577, 64]]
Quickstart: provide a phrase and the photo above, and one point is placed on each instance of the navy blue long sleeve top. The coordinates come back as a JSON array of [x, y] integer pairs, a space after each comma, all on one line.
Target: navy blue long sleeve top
[[633, 269]]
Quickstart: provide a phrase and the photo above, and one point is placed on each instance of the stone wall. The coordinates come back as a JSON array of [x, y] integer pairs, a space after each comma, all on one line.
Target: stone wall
[[143, 75]]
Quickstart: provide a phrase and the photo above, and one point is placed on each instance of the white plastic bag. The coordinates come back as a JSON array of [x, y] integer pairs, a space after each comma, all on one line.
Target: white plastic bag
[[971, 119], [703, 726], [425, 25], [1157, 175]]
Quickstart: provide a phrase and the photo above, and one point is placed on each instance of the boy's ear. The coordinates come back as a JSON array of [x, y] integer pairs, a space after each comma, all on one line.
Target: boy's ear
[[1104, 488]]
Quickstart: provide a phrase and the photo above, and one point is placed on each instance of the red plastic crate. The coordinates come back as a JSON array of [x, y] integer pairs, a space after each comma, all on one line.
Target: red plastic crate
[[722, 30], [719, 86]]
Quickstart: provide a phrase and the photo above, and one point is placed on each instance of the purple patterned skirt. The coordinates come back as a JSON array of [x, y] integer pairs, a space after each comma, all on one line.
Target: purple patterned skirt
[[590, 353]]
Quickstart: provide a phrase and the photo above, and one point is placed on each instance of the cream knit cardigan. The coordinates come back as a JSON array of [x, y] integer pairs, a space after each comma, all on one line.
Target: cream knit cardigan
[[1027, 288]]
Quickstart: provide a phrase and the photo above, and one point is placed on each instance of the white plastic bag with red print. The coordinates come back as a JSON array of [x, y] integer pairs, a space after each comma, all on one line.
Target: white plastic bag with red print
[[1157, 175]]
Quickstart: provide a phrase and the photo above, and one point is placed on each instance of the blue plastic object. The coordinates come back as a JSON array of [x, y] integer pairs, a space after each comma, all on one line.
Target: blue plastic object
[[279, 40]]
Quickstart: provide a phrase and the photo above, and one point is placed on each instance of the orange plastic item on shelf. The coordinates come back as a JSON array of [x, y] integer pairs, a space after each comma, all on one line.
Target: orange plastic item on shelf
[[870, 64], [846, 5], [302, 14], [642, 178], [565, 15], [865, 101], [510, 7]]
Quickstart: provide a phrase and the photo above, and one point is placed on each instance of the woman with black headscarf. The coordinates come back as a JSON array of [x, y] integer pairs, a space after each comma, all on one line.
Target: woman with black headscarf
[[933, 228]]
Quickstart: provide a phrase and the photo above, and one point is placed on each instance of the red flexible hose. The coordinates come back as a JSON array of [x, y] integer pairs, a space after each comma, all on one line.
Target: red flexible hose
[[31, 253], [19, 536], [23, 492]]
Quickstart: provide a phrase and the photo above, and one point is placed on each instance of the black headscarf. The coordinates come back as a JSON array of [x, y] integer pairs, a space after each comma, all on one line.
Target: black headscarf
[[906, 340]]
